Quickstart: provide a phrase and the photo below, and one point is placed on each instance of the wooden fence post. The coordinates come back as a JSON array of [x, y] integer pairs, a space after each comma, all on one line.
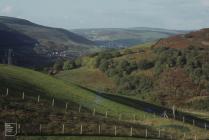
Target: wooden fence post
[[131, 132], [174, 112], [183, 119], [19, 128], [23, 95], [81, 129], [53, 102], [134, 119], [99, 129], [195, 137], [205, 126], [119, 117], [193, 122], [38, 98], [40, 128], [79, 109], [184, 136], [66, 107], [63, 129], [159, 133], [106, 114], [94, 112], [146, 133], [7, 93], [115, 130]]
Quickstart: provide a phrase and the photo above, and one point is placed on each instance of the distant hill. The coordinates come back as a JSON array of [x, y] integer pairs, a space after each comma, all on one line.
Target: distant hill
[[28, 39], [196, 39], [118, 37]]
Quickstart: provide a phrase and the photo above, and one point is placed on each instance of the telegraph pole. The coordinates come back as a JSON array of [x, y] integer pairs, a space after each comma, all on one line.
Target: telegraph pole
[[9, 57]]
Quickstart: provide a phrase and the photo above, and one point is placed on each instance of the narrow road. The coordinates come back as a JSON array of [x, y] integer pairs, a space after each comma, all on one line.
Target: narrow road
[[151, 108], [158, 110]]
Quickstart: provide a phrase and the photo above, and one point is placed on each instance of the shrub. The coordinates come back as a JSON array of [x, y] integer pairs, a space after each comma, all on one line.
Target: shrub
[[58, 65], [68, 65], [145, 64], [135, 85]]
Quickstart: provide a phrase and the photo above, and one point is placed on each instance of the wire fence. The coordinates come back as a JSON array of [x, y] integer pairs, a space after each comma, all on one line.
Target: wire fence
[[89, 130], [95, 129]]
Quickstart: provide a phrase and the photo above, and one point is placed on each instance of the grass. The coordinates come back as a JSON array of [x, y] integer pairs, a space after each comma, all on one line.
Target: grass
[[31, 82], [176, 127], [92, 78], [138, 56], [20, 79]]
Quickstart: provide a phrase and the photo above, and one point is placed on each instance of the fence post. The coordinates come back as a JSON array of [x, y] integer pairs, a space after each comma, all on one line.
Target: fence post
[[171, 137], [205, 126], [94, 112], [106, 114], [38, 98], [159, 133], [66, 107], [23, 95], [146, 133], [63, 129], [53, 102], [174, 112], [184, 136], [40, 128], [99, 129], [120, 116], [183, 119], [195, 137], [7, 93], [79, 109], [19, 128], [115, 130], [131, 132], [193, 122], [134, 118], [81, 129]]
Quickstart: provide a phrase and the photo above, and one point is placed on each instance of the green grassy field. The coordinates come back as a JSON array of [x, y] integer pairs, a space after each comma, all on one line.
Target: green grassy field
[[31, 82]]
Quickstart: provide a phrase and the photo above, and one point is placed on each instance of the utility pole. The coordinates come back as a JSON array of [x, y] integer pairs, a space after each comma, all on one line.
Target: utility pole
[[9, 57]]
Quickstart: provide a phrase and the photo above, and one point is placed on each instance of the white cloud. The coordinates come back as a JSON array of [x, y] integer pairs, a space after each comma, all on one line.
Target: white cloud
[[8, 9]]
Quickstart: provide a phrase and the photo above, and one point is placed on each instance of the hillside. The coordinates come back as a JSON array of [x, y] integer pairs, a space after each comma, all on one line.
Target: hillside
[[160, 75], [50, 43], [118, 37], [28, 109], [196, 39]]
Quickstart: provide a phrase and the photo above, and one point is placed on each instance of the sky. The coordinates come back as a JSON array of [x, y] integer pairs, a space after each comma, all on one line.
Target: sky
[[73, 14]]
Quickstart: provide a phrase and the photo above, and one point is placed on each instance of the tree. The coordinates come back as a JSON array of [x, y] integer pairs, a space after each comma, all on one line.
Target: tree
[[58, 65], [78, 62], [68, 65], [104, 64], [181, 60], [116, 54], [174, 84], [135, 85]]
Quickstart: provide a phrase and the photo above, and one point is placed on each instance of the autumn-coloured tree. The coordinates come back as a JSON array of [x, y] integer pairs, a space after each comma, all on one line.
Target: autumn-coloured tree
[[174, 85]]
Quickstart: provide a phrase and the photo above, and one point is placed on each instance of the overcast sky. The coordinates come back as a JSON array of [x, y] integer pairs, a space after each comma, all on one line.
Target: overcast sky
[[70, 14]]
